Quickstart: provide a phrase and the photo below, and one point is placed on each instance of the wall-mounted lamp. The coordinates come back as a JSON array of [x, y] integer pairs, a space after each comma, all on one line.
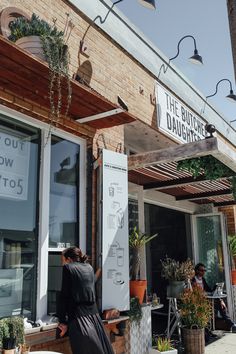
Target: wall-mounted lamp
[[231, 96], [150, 4], [210, 128], [195, 58]]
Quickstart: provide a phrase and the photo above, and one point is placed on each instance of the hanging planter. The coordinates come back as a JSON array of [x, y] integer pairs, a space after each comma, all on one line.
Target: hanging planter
[[32, 44], [47, 43]]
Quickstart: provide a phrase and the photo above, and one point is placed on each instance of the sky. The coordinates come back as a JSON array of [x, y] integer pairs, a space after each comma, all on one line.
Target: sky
[[207, 21]]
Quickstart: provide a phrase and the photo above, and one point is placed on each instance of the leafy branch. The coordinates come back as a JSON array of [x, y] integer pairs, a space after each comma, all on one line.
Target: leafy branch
[[210, 167]]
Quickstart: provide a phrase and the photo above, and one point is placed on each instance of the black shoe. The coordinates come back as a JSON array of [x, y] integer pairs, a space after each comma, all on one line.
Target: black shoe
[[233, 328], [213, 335]]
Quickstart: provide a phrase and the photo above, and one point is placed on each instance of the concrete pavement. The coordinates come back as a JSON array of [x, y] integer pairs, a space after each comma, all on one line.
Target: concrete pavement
[[224, 345]]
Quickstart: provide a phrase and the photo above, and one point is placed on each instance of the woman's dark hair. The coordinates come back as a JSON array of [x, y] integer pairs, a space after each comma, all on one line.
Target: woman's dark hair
[[75, 254], [198, 266]]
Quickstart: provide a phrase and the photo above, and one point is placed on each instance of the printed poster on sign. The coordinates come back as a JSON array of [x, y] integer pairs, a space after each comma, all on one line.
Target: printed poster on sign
[[115, 247], [14, 165], [176, 120]]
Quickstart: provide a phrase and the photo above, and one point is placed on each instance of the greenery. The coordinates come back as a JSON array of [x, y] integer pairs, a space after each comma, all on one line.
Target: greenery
[[232, 247], [135, 312], [56, 54], [210, 167], [11, 332], [137, 240], [162, 344], [175, 270], [195, 308]]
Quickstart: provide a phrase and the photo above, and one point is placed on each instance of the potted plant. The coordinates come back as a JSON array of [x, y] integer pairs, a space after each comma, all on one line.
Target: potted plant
[[11, 333], [135, 312], [162, 345], [177, 273], [232, 248], [137, 240], [48, 43], [195, 314]]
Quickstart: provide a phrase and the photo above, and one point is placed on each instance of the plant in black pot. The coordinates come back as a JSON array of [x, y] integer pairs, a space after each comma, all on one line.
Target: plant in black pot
[[177, 273], [137, 240], [11, 333]]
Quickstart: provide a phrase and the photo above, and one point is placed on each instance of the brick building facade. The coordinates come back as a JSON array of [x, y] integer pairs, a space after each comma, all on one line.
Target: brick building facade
[[104, 65]]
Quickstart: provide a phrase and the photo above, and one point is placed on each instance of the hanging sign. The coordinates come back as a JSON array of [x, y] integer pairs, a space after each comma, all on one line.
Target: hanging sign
[[176, 120], [14, 166], [115, 247]]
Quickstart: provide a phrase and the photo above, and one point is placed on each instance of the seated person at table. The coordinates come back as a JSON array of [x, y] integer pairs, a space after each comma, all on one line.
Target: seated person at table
[[220, 306]]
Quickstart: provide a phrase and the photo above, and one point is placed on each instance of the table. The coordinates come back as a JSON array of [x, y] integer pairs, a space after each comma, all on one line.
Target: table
[[44, 352], [156, 307], [213, 298]]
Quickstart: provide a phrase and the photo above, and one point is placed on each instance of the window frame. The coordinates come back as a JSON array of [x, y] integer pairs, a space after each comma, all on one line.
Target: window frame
[[44, 195]]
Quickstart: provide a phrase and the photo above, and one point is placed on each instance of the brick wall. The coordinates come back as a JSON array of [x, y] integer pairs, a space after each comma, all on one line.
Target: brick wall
[[230, 213], [108, 69], [47, 341]]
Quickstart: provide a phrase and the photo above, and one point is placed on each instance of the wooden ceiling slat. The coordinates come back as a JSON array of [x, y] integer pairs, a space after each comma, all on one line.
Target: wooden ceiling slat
[[203, 195]]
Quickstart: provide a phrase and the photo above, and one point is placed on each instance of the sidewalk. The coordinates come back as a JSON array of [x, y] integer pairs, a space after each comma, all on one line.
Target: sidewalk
[[224, 345]]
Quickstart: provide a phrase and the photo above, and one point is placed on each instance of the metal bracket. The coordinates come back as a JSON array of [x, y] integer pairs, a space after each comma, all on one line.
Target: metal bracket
[[100, 115]]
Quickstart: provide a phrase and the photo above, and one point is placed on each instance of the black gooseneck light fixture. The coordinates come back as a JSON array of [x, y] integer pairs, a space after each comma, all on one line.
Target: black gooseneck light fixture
[[150, 4], [195, 58], [231, 96]]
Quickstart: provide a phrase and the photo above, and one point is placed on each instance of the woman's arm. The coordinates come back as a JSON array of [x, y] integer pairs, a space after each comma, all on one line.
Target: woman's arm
[[64, 297]]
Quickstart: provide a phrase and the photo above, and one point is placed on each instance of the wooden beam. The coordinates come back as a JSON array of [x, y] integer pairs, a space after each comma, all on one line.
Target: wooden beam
[[181, 182], [204, 195], [174, 153], [231, 202]]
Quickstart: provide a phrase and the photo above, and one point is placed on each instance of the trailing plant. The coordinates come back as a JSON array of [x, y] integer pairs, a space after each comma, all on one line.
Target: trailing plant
[[210, 167], [135, 312], [56, 54], [175, 270], [137, 240], [232, 248], [195, 308], [11, 332]]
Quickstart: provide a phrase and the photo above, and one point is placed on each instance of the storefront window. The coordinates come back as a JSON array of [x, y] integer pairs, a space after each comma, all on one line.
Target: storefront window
[[64, 209], [64, 192], [19, 157]]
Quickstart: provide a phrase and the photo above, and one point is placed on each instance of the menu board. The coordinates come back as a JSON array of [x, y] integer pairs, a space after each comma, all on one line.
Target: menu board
[[115, 247]]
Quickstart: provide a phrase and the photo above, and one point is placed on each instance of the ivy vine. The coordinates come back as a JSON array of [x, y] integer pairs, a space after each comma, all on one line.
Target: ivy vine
[[135, 312], [210, 167]]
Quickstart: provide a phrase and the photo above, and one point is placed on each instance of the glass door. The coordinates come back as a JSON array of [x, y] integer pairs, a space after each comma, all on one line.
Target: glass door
[[211, 249]]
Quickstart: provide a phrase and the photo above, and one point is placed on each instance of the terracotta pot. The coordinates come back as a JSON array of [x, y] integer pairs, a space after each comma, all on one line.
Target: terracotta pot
[[137, 289], [233, 276], [33, 45], [9, 351]]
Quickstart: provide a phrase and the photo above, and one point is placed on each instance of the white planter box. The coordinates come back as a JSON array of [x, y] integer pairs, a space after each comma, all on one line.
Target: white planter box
[[155, 351]]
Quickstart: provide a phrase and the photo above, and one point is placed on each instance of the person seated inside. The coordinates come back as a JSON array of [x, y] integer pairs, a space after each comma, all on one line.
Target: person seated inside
[[199, 280]]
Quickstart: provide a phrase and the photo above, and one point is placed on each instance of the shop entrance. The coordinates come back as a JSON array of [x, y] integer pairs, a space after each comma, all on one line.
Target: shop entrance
[[173, 240], [211, 249]]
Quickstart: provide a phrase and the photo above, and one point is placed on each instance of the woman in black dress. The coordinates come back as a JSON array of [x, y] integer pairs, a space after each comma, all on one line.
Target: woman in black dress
[[77, 310]]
